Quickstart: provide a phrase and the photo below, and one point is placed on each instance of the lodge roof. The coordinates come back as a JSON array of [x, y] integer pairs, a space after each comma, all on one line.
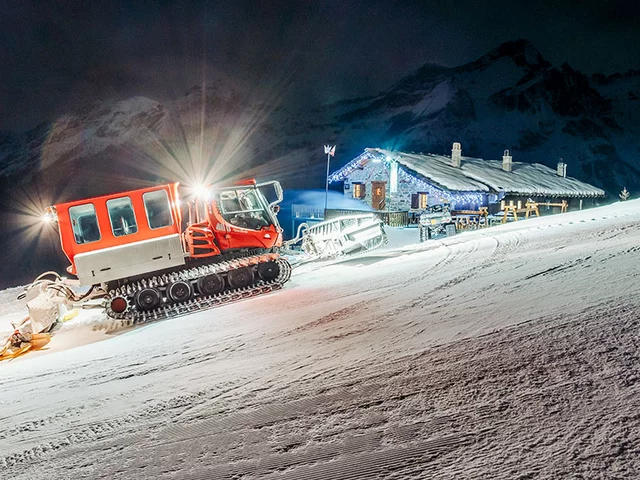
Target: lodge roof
[[478, 175]]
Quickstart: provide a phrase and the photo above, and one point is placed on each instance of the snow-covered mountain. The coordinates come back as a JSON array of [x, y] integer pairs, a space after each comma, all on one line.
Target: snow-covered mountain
[[118, 144], [509, 98]]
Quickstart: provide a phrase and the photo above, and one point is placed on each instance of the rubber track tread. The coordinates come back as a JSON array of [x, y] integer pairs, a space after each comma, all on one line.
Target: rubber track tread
[[134, 316]]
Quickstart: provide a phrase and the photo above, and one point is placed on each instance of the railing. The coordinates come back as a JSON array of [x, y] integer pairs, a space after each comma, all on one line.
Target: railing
[[306, 211], [393, 219]]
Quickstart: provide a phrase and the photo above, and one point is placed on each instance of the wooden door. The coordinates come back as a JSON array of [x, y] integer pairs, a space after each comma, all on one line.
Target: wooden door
[[378, 194]]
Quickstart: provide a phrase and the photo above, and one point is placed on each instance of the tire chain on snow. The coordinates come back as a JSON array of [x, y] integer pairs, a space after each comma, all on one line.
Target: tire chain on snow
[[133, 315]]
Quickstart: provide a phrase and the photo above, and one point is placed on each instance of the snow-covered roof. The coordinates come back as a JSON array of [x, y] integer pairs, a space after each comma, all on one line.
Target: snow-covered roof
[[478, 175], [526, 178], [436, 169]]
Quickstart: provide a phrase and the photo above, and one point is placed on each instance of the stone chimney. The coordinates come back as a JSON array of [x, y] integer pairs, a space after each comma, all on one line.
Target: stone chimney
[[456, 155], [562, 169], [507, 164]]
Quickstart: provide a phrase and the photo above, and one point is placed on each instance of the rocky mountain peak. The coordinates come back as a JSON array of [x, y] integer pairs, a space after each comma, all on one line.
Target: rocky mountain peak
[[214, 89], [521, 52]]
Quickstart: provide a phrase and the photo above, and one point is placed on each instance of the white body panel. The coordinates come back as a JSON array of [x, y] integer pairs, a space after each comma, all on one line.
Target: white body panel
[[128, 260]]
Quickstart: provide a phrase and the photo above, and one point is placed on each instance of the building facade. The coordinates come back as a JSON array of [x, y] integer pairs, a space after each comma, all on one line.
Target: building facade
[[398, 181]]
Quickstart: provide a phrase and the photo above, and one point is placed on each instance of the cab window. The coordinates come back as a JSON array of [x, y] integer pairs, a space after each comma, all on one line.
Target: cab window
[[84, 223], [243, 208], [156, 204], [123, 219]]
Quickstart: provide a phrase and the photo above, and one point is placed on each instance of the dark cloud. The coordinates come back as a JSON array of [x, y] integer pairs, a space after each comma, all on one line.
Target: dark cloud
[[56, 55]]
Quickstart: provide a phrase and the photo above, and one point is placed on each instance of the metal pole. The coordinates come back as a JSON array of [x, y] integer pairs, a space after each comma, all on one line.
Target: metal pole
[[326, 189]]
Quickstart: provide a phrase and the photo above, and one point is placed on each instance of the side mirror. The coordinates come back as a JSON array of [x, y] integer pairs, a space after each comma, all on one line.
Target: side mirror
[[275, 209]]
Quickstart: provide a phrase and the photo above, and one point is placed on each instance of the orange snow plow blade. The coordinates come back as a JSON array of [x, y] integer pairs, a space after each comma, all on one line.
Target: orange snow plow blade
[[38, 341]]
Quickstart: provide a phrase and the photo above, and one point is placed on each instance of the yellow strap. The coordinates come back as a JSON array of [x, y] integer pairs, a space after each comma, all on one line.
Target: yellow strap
[[69, 315]]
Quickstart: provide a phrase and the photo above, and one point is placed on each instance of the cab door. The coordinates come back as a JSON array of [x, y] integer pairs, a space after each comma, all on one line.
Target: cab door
[[244, 222], [378, 195]]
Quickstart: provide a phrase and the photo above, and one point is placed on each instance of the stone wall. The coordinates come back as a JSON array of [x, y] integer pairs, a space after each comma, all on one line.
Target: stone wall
[[407, 185]]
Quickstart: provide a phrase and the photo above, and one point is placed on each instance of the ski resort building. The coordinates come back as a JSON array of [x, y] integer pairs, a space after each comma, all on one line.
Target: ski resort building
[[399, 181]]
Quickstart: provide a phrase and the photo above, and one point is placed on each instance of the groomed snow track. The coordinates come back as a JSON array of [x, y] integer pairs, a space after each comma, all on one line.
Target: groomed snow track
[[197, 300]]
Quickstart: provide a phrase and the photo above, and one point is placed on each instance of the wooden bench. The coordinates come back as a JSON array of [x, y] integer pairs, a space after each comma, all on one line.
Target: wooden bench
[[465, 219], [564, 206], [530, 208]]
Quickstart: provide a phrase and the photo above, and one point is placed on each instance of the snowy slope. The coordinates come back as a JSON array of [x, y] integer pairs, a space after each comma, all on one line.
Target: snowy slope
[[505, 353]]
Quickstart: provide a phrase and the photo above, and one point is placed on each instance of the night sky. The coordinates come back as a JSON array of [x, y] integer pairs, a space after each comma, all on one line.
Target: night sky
[[56, 56]]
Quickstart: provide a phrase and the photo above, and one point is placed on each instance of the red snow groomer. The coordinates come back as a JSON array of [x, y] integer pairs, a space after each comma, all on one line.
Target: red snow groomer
[[131, 249]]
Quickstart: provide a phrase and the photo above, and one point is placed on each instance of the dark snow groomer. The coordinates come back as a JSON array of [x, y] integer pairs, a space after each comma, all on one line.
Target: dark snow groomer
[[436, 221]]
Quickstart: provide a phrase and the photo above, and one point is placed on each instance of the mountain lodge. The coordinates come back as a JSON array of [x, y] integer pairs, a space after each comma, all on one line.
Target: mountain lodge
[[400, 181]]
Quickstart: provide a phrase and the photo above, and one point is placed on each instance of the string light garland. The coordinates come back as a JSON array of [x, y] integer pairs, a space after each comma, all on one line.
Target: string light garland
[[455, 199]]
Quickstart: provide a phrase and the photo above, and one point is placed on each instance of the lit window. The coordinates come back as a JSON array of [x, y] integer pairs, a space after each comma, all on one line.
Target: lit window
[[422, 200], [156, 204], [245, 208], [123, 220], [84, 223], [358, 190]]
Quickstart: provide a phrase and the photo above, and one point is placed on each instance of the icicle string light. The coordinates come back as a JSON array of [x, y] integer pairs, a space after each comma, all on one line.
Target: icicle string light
[[455, 199], [344, 172]]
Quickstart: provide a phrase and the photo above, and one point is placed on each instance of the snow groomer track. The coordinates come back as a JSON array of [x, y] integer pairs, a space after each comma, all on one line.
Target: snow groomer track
[[203, 301]]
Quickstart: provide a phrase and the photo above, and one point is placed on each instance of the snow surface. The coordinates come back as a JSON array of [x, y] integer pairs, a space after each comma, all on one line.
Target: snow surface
[[503, 353], [476, 174]]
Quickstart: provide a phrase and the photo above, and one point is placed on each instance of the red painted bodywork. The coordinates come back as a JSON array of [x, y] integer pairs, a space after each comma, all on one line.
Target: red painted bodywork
[[216, 234], [213, 234], [108, 239]]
